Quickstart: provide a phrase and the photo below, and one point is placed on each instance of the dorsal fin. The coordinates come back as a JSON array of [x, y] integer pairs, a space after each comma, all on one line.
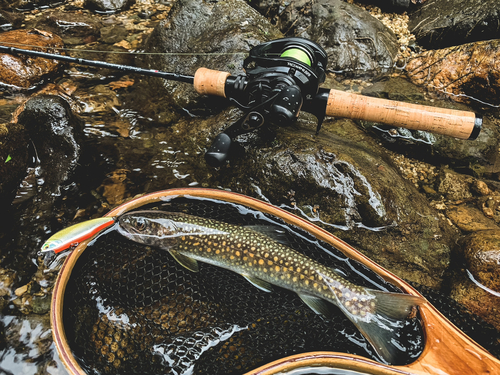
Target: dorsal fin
[[274, 232]]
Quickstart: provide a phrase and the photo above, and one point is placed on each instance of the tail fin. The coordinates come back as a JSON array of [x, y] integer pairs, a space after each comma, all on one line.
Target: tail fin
[[381, 329]]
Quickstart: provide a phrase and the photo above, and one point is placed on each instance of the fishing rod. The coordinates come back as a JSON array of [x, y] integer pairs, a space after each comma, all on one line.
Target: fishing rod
[[282, 78]]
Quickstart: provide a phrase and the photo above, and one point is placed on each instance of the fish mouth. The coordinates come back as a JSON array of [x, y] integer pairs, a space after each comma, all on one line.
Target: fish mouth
[[126, 229]]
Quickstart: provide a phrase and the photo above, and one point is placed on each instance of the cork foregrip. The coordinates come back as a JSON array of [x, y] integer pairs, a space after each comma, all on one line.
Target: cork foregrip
[[450, 122], [210, 82]]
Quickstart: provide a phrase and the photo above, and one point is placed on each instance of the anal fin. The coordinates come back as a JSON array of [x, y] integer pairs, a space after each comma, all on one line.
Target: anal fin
[[185, 261], [318, 305], [259, 283]]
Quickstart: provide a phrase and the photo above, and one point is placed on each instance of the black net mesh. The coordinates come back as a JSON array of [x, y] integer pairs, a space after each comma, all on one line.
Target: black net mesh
[[131, 309]]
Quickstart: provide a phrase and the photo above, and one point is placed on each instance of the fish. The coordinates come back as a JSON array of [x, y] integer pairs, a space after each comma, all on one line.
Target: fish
[[73, 235], [254, 254]]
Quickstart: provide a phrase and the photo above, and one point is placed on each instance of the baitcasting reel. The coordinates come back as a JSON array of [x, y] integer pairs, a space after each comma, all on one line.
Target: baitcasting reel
[[281, 76]]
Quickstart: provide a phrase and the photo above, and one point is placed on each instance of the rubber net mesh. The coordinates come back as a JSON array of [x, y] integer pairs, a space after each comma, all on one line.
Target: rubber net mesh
[[132, 309]]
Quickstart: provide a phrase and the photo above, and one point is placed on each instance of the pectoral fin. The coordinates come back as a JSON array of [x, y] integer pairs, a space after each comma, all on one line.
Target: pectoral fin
[[259, 283], [185, 261], [318, 305]]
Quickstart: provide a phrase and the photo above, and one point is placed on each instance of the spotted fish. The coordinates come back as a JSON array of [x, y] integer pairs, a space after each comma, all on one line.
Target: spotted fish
[[265, 262]]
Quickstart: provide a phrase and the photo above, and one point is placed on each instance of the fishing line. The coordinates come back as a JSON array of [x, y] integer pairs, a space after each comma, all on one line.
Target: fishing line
[[64, 49]]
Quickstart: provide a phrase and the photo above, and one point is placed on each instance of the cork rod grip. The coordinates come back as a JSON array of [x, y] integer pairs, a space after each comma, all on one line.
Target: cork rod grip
[[450, 122], [210, 82]]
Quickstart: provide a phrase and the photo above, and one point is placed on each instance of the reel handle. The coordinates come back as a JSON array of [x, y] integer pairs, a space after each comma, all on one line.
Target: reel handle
[[218, 152], [450, 122]]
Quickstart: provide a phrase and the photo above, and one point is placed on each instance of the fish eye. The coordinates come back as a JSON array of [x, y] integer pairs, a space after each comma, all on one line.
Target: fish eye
[[141, 223]]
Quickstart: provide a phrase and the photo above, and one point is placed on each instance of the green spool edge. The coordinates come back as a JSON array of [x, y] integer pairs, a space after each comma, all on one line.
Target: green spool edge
[[297, 54]]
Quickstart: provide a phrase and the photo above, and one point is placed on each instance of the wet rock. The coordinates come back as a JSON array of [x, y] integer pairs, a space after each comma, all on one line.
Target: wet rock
[[22, 71], [454, 186], [467, 73], [113, 34], [479, 156], [108, 6], [114, 188], [197, 28], [476, 299], [332, 176], [10, 20], [73, 28], [439, 24], [482, 256], [33, 4], [390, 5], [99, 98], [13, 161], [56, 133], [469, 219], [356, 42]]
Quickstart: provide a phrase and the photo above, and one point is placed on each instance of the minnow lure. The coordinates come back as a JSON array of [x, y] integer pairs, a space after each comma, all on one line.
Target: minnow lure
[[73, 235], [265, 262]]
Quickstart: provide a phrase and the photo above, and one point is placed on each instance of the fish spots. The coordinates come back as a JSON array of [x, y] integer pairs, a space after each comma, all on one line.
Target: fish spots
[[277, 268], [237, 253], [209, 250], [275, 259], [261, 262], [269, 262]]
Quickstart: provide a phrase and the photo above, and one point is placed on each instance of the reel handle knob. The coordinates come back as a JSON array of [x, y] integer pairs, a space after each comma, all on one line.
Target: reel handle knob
[[450, 122], [218, 151]]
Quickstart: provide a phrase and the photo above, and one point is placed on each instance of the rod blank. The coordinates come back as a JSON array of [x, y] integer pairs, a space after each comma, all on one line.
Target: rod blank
[[100, 64]]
